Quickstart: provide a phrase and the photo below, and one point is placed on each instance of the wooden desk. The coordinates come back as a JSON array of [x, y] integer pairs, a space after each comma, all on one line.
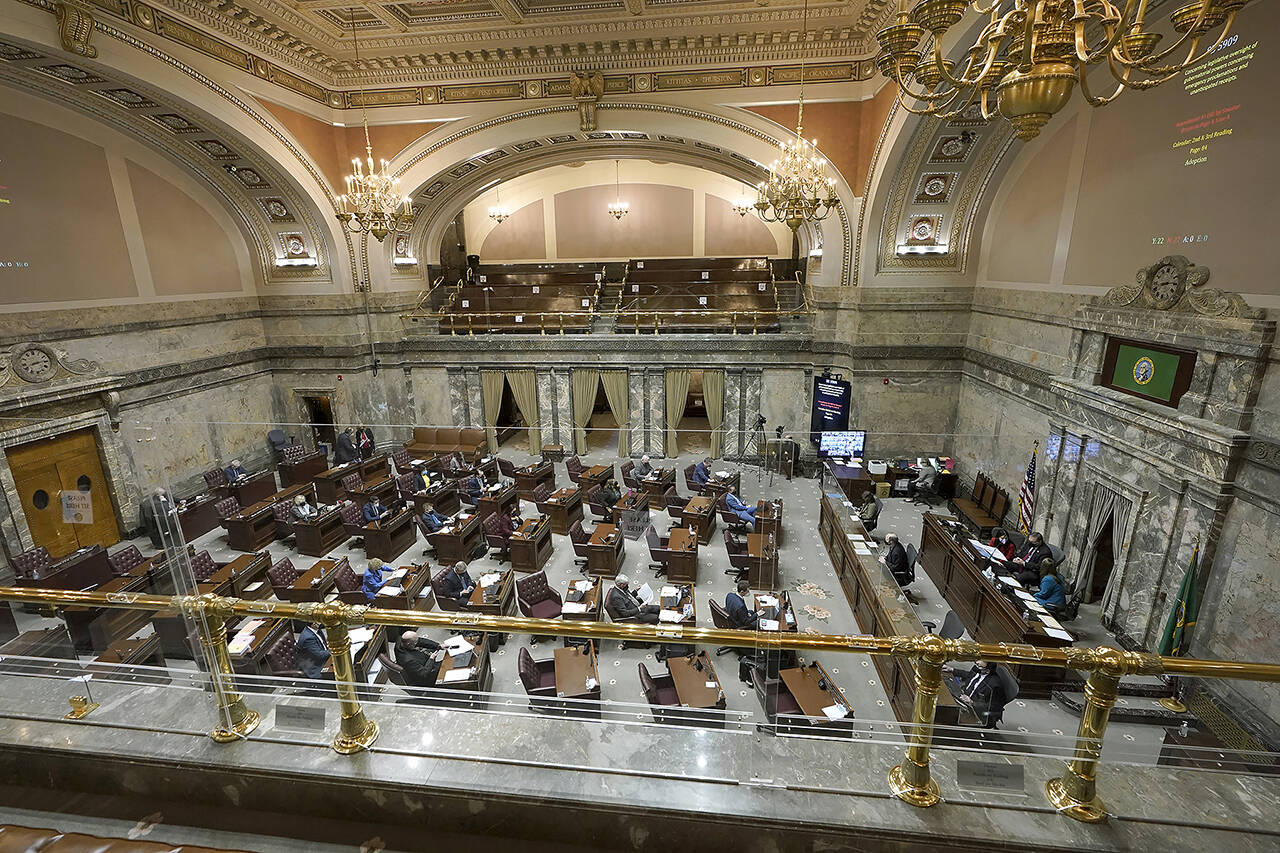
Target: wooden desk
[[94, 629], [769, 519], [763, 570], [700, 514], [596, 475], [716, 486], [605, 553], [236, 577], [590, 600], [376, 467], [530, 477], [501, 602], [462, 539], [390, 538], [877, 604], [573, 669], [320, 536], [303, 471], [363, 660], [328, 483], [696, 688], [813, 689], [253, 529], [250, 656], [785, 614], [384, 488], [197, 516], [410, 597], [683, 565], [479, 678], [505, 499], [565, 507], [443, 495], [656, 484], [254, 488], [988, 615], [88, 568], [531, 545], [313, 584], [138, 651], [686, 599], [852, 480]]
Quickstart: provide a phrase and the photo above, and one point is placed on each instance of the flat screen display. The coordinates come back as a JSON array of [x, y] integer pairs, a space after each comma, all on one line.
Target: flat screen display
[[845, 443], [830, 406]]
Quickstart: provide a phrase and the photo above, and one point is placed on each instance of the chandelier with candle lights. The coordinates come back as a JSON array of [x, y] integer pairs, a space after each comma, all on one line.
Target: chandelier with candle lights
[[499, 213], [618, 208], [1028, 59]]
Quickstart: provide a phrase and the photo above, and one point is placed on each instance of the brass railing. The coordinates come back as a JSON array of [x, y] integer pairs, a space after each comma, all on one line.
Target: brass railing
[[1074, 793]]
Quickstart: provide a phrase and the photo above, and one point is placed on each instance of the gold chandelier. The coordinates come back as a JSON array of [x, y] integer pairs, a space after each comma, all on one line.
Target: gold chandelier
[[1026, 62], [373, 202], [618, 208], [498, 213], [798, 189]]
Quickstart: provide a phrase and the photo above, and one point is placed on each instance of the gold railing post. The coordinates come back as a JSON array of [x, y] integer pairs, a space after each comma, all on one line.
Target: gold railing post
[[910, 781], [235, 719], [356, 732], [1075, 793]]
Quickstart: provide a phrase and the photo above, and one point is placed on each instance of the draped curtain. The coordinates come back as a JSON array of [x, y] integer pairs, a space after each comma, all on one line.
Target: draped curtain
[[524, 387], [615, 388], [677, 395], [1106, 505], [585, 380], [1119, 523], [713, 399], [491, 389]]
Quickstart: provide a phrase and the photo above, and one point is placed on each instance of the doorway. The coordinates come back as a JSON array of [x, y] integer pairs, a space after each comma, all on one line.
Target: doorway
[[43, 471], [694, 434], [1104, 560], [320, 417], [513, 432], [602, 429]]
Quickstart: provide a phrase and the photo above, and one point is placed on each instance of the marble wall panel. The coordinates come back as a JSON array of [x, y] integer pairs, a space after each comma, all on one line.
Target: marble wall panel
[[562, 404], [547, 422], [459, 409], [636, 390], [733, 382], [656, 399], [433, 393], [475, 400]]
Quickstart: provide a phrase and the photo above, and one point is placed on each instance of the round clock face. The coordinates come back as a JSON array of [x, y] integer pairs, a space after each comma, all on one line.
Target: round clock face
[[1143, 370], [1166, 283]]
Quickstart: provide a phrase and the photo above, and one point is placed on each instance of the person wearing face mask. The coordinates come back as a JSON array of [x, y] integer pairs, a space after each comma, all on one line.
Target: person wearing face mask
[[303, 511], [374, 510], [1001, 542], [979, 690]]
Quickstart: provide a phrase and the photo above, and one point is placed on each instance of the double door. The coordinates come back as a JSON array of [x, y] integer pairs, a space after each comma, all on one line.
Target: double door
[[43, 470]]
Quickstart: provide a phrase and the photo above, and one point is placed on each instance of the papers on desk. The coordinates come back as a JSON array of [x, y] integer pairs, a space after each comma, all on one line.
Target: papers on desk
[[457, 675], [495, 487], [1058, 635], [862, 549], [1024, 595], [991, 552], [849, 504], [670, 616], [398, 573], [253, 587], [836, 712], [1050, 622], [361, 635], [456, 646], [668, 591], [1037, 608], [768, 624], [490, 578], [645, 594], [583, 585], [573, 607], [722, 475], [239, 645], [417, 462], [390, 590], [1008, 581], [592, 683], [712, 685], [766, 601]]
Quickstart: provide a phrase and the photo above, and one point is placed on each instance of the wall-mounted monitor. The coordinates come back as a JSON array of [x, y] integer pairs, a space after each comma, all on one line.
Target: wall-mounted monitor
[[830, 411], [842, 444]]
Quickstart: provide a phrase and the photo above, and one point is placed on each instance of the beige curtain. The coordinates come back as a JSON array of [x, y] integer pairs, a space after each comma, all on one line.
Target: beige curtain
[[677, 393], [615, 388], [585, 382], [713, 399], [491, 390], [524, 387]]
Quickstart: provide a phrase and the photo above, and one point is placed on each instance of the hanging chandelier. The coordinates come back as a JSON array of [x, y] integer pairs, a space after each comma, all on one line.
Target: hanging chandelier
[[798, 189], [618, 208], [373, 202], [1026, 62], [498, 213], [744, 205]]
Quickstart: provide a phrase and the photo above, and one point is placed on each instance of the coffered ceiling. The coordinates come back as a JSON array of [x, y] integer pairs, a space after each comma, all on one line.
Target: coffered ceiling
[[406, 41]]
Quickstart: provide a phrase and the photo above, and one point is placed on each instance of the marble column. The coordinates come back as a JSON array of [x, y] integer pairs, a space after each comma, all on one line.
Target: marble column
[[562, 409], [546, 398], [458, 404], [656, 398], [732, 413], [475, 400]]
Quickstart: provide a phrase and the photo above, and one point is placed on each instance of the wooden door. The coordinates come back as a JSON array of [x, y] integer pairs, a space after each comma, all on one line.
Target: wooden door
[[43, 470]]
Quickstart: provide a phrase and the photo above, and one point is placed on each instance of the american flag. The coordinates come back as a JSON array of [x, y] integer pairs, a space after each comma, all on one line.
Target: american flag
[[1027, 497]]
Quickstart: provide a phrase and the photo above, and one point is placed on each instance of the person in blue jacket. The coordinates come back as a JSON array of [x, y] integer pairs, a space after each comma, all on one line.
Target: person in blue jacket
[[373, 580], [1052, 594], [702, 473], [741, 509]]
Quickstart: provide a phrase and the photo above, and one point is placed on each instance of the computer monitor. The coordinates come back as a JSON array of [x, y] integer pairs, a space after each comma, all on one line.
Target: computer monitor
[[849, 443]]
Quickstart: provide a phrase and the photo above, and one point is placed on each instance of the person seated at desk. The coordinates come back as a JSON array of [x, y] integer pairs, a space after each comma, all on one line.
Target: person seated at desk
[[364, 442], [610, 494], [235, 471], [420, 482], [420, 658], [735, 604], [869, 512], [702, 473], [432, 519], [452, 462], [313, 652], [473, 489], [374, 510], [740, 508], [457, 584], [644, 469], [303, 511], [979, 690], [373, 580], [1052, 593], [504, 526], [1027, 558], [895, 560], [1001, 542], [344, 450], [623, 602], [926, 482]]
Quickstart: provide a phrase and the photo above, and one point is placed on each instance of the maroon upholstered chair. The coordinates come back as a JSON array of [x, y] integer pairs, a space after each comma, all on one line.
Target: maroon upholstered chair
[[352, 482], [659, 692], [350, 587], [629, 480], [226, 508], [293, 453], [538, 600], [506, 467], [446, 603], [579, 537], [675, 504], [282, 657], [573, 465], [426, 534], [541, 492], [688, 479], [352, 520], [282, 575], [404, 486], [739, 559], [284, 519], [203, 566], [537, 676], [496, 537], [659, 550], [33, 563], [215, 478], [401, 460], [728, 516], [720, 619], [774, 696], [598, 510], [125, 560]]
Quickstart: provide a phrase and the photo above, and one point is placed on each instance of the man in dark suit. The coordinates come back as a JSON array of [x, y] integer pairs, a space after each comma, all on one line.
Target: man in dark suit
[[432, 519], [235, 471], [457, 584], [702, 473], [610, 494], [151, 511], [980, 691], [374, 510], [313, 653], [735, 604], [1027, 559], [420, 482], [364, 442], [420, 658], [895, 560], [303, 511], [345, 449], [473, 489], [623, 604], [644, 469]]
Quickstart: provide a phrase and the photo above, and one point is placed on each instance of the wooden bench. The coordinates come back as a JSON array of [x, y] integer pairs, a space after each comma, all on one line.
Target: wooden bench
[[984, 509], [697, 264]]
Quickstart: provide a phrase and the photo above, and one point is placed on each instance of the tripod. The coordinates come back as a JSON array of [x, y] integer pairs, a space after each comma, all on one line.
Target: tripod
[[757, 443]]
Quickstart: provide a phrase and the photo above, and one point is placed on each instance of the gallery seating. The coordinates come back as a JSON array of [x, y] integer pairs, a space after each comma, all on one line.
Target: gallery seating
[[432, 441]]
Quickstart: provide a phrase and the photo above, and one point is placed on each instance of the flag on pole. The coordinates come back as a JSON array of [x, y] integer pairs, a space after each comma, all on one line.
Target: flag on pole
[[1027, 495], [1185, 609]]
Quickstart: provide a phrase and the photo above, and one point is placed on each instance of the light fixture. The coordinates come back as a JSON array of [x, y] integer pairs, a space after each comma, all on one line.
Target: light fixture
[[618, 208], [798, 189], [744, 205], [373, 202], [498, 213], [1026, 62]]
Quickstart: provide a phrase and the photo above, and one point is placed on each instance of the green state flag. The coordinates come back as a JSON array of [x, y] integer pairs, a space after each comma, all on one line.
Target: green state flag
[[1174, 640], [1145, 371]]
